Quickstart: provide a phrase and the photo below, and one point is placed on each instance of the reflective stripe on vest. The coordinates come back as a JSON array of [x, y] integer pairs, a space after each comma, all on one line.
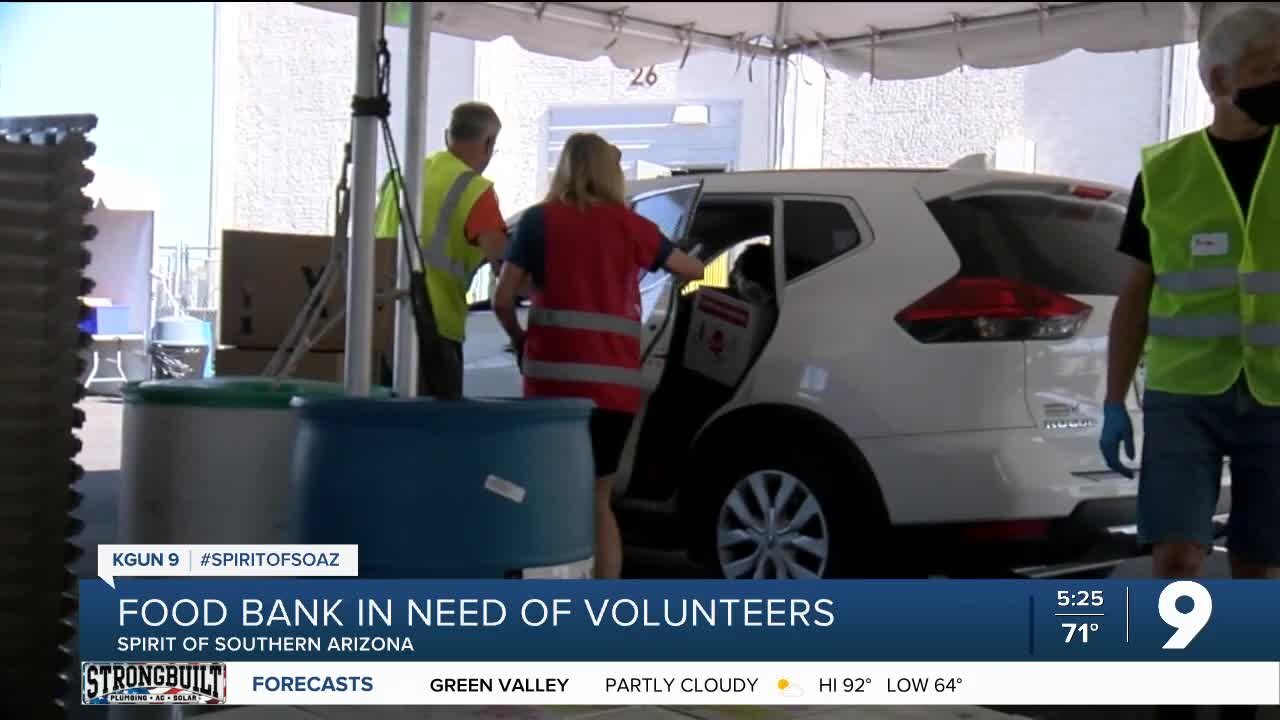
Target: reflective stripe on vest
[[1263, 335], [1202, 326], [1261, 282], [1199, 280], [434, 254], [581, 320], [583, 372], [1219, 279]]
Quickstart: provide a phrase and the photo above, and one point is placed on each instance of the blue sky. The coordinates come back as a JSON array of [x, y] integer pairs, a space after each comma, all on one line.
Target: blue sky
[[146, 71]]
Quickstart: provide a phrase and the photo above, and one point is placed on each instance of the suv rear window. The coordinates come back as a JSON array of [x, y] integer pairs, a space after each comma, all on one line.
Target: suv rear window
[[1064, 244]]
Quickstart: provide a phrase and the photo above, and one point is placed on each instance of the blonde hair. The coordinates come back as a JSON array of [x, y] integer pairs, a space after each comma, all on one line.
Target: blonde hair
[[589, 173]]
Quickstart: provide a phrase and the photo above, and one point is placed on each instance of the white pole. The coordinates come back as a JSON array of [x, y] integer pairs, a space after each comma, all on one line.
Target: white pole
[[415, 130], [777, 82], [360, 256]]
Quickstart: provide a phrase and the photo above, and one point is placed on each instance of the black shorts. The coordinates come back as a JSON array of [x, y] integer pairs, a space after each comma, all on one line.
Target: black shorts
[[609, 430], [440, 370]]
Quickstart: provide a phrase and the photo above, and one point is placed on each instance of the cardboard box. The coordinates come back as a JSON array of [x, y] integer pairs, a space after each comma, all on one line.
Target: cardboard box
[[723, 331], [327, 366], [267, 277], [324, 366]]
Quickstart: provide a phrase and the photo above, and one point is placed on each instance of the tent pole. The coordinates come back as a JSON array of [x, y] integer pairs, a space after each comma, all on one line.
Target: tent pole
[[779, 63], [415, 130], [364, 159], [779, 120]]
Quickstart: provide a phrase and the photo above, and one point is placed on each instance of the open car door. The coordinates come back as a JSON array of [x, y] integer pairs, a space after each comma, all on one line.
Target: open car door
[[671, 208]]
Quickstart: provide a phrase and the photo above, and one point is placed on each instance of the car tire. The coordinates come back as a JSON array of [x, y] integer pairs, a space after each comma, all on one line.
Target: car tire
[[827, 517]]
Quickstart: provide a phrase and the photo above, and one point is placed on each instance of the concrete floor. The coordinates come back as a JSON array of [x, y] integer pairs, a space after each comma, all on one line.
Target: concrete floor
[[101, 460]]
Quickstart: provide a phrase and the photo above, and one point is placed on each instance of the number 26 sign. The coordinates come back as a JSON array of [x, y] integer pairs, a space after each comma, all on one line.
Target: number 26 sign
[[644, 77]]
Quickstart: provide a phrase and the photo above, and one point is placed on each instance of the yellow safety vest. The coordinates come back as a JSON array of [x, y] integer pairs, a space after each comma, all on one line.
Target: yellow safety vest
[[449, 190], [1215, 307]]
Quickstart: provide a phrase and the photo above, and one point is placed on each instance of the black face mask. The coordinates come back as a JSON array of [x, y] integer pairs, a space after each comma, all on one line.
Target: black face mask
[[1261, 103]]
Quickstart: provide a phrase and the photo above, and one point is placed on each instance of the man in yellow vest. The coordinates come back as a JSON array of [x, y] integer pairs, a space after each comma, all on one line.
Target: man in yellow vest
[[461, 228], [1203, 300]]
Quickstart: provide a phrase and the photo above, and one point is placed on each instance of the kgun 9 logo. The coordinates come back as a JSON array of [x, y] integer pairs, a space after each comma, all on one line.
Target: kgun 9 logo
[[1187, 624]]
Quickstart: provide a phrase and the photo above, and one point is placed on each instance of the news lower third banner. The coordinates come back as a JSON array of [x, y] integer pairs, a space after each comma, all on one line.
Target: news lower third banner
[[571, 642]]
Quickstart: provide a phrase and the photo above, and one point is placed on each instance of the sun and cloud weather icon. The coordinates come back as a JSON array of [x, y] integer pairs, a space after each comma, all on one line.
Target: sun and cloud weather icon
[[789, 689]]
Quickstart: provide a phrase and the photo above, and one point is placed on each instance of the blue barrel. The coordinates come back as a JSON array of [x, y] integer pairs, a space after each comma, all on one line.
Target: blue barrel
[[461, 489]]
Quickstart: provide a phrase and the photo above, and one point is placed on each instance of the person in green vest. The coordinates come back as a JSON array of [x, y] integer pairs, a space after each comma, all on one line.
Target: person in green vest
[[462, 227], [1203, 302]]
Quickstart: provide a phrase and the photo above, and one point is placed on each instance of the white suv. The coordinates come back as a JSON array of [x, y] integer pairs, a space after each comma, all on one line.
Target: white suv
[[925, 385]]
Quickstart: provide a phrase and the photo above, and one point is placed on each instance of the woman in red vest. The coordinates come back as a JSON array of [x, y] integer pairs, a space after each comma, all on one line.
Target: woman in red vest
[[582, 248]]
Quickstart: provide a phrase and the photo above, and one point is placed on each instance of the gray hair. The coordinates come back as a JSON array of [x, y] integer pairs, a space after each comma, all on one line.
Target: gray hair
[[1227, 40], [472, 120]]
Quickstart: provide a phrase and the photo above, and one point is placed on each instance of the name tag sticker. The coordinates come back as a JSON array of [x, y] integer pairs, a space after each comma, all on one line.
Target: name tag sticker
[[1210, 244]]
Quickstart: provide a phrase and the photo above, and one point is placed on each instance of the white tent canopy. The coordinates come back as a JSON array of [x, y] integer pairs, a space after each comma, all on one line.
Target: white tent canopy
[[894, 41], [890, 41]]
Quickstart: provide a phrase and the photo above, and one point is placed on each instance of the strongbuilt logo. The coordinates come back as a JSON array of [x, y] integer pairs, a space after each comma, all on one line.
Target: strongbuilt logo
[[153, 683]]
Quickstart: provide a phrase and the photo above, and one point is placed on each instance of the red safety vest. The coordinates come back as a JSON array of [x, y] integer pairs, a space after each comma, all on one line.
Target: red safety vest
[[584, 324]]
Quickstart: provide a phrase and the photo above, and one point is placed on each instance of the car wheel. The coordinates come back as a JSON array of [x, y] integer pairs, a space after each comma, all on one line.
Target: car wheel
[[784, 516], [771, 525]]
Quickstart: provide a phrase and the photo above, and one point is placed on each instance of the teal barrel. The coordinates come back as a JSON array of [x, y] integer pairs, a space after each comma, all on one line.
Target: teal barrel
[[462, 489]]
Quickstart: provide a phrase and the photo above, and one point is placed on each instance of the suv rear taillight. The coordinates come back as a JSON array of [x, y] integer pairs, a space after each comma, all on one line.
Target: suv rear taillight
[[976, 309]]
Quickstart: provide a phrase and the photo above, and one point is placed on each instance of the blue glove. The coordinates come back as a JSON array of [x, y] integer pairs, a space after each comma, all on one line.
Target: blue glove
[[1116, 428]]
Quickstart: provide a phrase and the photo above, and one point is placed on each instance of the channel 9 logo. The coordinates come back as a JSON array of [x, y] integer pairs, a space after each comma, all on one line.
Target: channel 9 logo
[[1187, 624]]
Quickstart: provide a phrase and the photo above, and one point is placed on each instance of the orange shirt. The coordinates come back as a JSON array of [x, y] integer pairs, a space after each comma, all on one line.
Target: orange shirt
[[485, 217]]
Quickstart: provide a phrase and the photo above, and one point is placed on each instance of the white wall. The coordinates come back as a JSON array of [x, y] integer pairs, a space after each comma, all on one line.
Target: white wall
[[920, 123], [293, 71], [1190, 107], [287, 81], [522, 85], [450, 80], [717, 76], [1087, 114]]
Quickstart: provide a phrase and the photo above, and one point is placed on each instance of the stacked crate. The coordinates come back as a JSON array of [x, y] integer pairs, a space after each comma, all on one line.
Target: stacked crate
[[42, 259]]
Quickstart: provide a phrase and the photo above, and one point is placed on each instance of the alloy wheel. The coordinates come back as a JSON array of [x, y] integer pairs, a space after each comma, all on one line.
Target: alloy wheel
[[771, 526]]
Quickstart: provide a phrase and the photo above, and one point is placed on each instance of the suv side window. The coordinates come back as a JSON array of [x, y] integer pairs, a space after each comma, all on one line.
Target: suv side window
[[815, 232], [668, 210]]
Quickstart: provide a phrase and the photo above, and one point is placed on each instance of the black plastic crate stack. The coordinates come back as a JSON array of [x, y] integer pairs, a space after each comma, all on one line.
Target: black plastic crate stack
[[42, 260]]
